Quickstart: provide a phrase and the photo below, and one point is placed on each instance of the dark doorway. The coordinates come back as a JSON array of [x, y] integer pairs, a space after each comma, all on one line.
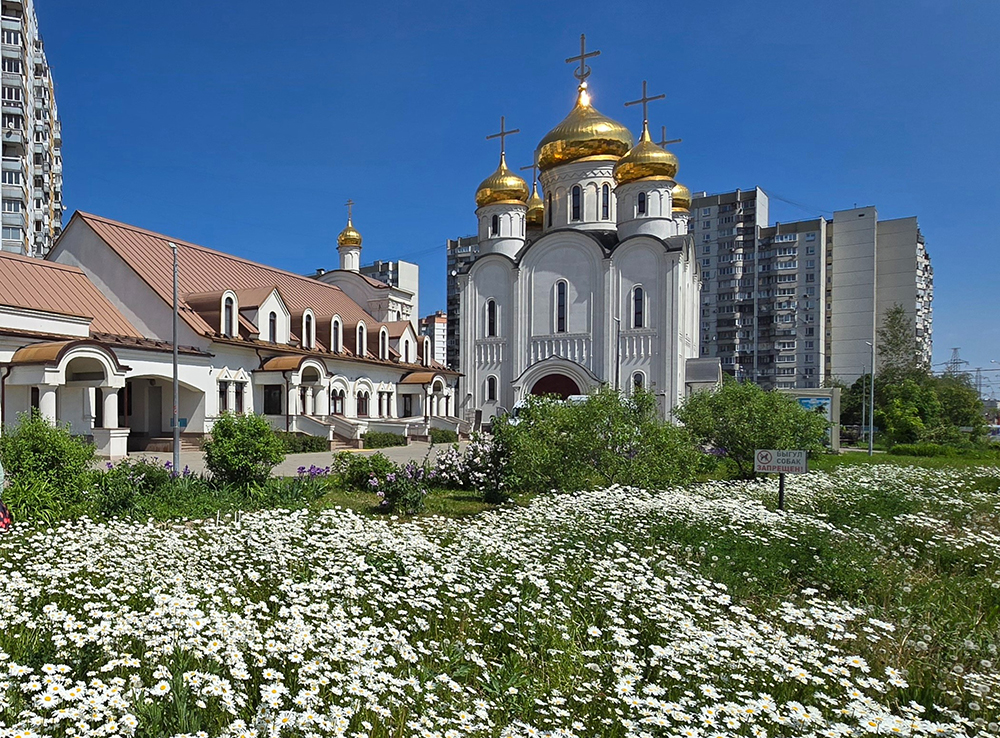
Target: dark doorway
[[556, 384]]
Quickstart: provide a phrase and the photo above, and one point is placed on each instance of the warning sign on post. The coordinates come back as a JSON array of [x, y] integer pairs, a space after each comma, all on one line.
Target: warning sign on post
[[769, 461]]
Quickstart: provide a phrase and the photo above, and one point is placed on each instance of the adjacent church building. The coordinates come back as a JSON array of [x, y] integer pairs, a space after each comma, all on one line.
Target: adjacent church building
[[595, 282]]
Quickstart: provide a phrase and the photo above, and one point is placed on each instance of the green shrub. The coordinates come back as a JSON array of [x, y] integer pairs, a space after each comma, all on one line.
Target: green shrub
[[922, 449], [739, 417], [377, 439], [443, 435], [300, 443], [402, 490], [356, 470], [48, 468], [243, 450]]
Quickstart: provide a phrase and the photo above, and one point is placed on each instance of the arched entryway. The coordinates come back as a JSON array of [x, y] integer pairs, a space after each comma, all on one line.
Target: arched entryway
[[556, 384]]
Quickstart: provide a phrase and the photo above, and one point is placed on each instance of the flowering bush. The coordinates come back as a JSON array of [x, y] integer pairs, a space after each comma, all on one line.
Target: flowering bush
[[620, 612], [474, 469], [403, 489]]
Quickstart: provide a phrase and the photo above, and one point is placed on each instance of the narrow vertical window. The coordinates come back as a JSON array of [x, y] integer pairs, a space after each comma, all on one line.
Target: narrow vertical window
[[361, 341], [605, 202], [406, 352], [272, 327], [491, 320], [561, 307], [495, 226], [383, 349], [227, 319], [307, 339], [335, 336], [577, 198], [491, 389], [548, 208], [223, 397], [641, 208], [637, 382], [639, 315]]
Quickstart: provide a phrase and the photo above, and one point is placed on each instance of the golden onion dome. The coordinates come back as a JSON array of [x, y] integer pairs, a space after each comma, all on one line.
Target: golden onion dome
[[536, 208], [583, 133], [645, 161], [501, 186], [681, 198], [349, 236]]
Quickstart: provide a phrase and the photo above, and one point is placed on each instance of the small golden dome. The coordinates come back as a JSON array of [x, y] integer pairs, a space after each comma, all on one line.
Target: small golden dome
[[646, 160], [349, 236], [681, 198], [536, 208], [584, 132], [502, 185]]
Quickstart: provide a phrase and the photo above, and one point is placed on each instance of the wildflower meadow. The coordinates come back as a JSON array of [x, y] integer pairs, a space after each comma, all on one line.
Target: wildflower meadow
[[870, 607]]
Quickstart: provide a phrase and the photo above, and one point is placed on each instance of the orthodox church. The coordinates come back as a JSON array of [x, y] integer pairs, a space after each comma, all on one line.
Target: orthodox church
[[595, 282]]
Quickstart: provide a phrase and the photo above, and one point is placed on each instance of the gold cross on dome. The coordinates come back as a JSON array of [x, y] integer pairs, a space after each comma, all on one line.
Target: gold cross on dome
[[503, 135], [663, 138], [349, 204], [645, 100], [584, 71], [534, 170]]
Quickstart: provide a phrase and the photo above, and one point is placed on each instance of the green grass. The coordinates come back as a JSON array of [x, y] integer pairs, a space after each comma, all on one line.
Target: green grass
[[449, 503]]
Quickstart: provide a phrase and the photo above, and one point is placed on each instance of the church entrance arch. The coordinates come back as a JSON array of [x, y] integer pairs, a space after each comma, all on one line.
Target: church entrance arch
[[556, 384]]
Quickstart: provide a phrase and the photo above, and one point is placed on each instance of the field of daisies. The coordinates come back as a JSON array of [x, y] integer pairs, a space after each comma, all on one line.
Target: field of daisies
[[870, 607]]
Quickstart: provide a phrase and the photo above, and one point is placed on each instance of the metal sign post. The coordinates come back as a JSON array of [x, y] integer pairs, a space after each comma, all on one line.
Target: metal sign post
[[773, 461]]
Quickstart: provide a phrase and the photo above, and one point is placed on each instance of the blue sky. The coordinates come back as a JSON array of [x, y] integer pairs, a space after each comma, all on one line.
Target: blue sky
[[244, 126]]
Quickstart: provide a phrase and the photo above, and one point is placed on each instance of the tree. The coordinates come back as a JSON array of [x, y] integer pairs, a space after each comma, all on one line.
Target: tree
[[898, 351], [741, 418]]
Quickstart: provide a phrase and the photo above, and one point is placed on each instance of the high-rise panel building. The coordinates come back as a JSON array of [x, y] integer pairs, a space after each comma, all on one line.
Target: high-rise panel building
[[32, 207], [461, 252], [436, 326], [793, 305]]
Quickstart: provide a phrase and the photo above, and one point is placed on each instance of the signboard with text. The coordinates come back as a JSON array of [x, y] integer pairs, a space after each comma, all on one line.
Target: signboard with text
[[770, 461]]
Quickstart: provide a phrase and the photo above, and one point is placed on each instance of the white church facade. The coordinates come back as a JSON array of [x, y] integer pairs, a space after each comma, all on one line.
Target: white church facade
[[594, 283]]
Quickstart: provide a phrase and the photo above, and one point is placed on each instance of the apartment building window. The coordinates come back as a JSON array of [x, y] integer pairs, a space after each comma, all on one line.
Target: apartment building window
[[38, 226], [38, 159], [12, 206], [810, 331], [706, 237], [577, 202], [810, 277], [810, 263], [11, 177], [810, 249], [11, 234], [810, 237], [605, 202], [10, 120], [11, 94], [705, 212], [11, 37], [12, 65]]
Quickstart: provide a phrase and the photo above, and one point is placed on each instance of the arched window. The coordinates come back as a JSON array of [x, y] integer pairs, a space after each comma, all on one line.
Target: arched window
[[577, 202], [560, 307], [406, 352], [491, 318], [637, 382], [335, 339], [362, 340], [427, 351], [495, 225], [383, 344], [548, 208], [228, 326], [272, 327], [491, 389], [641, 207], [337, 402], [307, 331], [638, 313], [362, 404], [605, 202]]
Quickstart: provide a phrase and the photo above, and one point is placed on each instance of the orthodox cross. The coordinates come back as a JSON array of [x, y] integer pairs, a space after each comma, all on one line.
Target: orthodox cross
[[349, 204], [663, 138], [503, 135], [584, 71], [645, 100], [534, 170]]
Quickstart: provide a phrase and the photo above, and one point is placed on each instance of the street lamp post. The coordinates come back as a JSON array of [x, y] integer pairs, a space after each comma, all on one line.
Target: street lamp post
[[864, 406], [176, 420], [871, 405], [618, 353]]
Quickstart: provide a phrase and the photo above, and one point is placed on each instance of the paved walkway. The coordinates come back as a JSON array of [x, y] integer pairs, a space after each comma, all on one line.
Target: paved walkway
[[416, 451]]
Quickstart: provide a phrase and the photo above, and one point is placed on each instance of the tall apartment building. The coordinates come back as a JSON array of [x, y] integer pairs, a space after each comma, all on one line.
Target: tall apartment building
[[401, 274], [461, 252], [32, 206], [436, 326], [792, 305]]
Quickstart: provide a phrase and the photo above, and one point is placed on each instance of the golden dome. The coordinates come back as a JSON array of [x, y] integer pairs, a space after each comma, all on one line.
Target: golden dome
[[536, 208], [502, 185], [349, 236], [681, 197], [584, 132], [646, 160]]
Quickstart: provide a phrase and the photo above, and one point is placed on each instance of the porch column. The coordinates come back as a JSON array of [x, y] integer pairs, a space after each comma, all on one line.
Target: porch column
[[231, 390], [293, 400], [310, 405], [47, 402], [110, 407], [393, 405]]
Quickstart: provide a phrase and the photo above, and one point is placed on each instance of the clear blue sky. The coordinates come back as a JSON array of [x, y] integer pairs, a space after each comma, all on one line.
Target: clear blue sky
[[244, 126]]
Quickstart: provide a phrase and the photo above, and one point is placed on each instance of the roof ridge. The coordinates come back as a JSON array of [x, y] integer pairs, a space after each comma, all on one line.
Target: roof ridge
[[42, 262], [182, 242]]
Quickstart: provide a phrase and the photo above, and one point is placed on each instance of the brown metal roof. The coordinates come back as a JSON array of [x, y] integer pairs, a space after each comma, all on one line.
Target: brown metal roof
[[398, 327], [203, 270], [418, 378], [34, 284], [283, 363], [52, 352]]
